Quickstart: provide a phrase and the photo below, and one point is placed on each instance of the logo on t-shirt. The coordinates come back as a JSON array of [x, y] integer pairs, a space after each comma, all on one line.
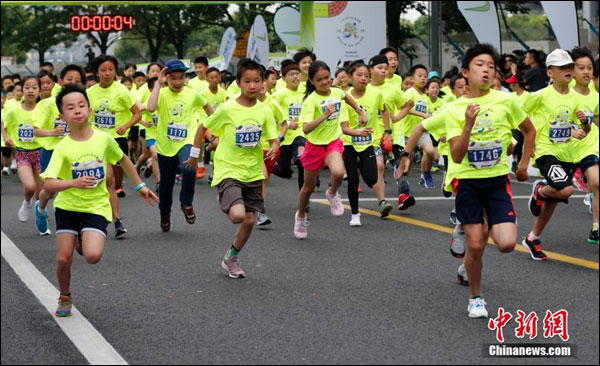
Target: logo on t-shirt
[[483, 122], [178, 113]]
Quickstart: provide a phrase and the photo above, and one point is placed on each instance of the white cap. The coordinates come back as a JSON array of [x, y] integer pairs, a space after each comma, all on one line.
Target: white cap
[[558, 58]]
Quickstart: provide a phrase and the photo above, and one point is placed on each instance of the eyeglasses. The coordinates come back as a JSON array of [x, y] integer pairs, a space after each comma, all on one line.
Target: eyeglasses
[[293, 73]]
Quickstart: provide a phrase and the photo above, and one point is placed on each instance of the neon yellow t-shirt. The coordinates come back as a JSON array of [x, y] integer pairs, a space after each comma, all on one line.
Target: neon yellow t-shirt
[[278, 115], [74, 159], [447, 91], [291, 103], [111, 107], [55, 90], [233, 90], [239, 154], [372, 104], [395, 80], [11, 103], [197, 84], [177, 119], [314, 106], [280, 85], [588, 104], [554, 115], [393, 98], [47, 117], [490, 137], [523, 97], [2, 112], [436, 126], [215, 100], [144, 94], [19, 127], [422, 104], [435, 106]]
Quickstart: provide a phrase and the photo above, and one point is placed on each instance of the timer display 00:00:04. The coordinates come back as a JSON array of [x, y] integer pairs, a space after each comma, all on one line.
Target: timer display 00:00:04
[[86, 23]]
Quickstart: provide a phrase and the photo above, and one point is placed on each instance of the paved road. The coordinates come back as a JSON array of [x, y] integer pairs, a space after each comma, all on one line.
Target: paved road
[[383, 293]]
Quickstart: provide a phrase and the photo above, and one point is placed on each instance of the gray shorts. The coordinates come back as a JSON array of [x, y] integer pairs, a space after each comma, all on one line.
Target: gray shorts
[[425, 137], [233, 192]]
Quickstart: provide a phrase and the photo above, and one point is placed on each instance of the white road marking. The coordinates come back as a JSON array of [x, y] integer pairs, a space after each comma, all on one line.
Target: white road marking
[[84, 336], [422, 199]]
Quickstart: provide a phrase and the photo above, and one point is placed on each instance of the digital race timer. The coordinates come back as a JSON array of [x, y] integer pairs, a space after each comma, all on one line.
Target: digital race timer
[[108, 23]]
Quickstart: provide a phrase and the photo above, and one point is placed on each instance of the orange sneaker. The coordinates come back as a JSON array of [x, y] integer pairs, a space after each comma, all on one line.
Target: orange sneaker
[[200, 173]]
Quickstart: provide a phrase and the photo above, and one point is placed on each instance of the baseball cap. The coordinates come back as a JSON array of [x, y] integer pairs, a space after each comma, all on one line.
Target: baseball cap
[[175, 65], [433, 74], [558, 58]]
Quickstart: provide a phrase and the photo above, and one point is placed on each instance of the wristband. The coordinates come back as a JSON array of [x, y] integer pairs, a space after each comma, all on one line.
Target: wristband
[[281, 138], [405, 154], [388, 131], [139, 187], [194, 152]]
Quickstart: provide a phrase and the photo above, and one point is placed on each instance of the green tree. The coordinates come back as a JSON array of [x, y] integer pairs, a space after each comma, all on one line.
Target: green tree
[[399, 32]]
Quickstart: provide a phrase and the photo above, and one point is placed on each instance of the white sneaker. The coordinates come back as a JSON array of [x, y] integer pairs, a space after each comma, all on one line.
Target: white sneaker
[[5, 171], [355, 220], [13, 166], [24, 211], [476, 308]]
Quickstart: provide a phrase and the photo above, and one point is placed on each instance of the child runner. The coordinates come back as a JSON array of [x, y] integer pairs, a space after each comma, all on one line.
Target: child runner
[[176, 106], [76, 172], [199, 83], [150, 120], [391, 54], [290, 99], [362, 149], [554, 111], [240, 123], [395, 103], [143, 93], [114, 111], [587, 148], [49, 130], [320, 120], [18, 133], [478, 129]]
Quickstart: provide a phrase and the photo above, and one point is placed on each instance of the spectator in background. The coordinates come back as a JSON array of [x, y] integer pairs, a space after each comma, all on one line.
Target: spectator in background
[[342, 79], [535, 78], [7, 81]]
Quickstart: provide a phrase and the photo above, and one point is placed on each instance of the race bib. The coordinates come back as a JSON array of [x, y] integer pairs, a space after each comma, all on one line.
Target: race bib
[[59, 122], [421, 106], [294, 111], [91, 168], [25, 133], [589, 115], [336, 103], [247, 136], [560, 132], [484, 154], [177, 131], [362, 140], [155, 120], [105, 120]]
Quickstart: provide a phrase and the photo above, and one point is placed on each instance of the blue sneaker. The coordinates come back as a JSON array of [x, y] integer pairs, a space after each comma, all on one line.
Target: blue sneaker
[[41, 220], [429, 183]]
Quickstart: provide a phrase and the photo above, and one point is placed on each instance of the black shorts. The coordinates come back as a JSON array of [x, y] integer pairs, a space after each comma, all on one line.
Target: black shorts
[[122, 141], [143, 134], [134, 133], [69, 222], [492, 194], [558, 174], [587, 162], [6, 152]]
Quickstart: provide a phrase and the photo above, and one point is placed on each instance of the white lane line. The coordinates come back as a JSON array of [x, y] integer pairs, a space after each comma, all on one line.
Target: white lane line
[[424, 199], [84, 336]]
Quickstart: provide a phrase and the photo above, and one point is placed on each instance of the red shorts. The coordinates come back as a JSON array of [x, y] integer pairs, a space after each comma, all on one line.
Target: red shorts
[[313, 158], [270, 164]]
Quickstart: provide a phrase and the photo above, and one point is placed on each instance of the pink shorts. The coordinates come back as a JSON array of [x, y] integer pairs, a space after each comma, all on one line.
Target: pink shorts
[[314, 156], [28, 158]]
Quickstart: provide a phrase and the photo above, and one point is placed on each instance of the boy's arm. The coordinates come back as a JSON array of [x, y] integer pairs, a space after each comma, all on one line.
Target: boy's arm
[[131, 172], [460, 144], [528, 130]]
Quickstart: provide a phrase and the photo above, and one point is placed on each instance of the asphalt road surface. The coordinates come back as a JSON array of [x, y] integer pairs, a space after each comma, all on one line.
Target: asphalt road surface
[[384, 293]]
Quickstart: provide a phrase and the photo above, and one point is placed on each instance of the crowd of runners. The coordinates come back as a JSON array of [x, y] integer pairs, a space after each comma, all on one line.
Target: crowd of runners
[[72, 136]]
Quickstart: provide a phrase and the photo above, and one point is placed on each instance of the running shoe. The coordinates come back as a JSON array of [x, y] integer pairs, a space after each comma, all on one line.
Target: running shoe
[[535, 201], [200, 173], [232, 266], [435, 167], [384, 208], [429, 183], [165, 223], [65, 303], [405, 201], [179, 179], [188, 212], [462, 275], [453, 217], [355, 221], [24, 211], [514, 167], [359, 189], [476, 308], [458, 244], [534, 247], [119, 228], [262, 219], [41, 220], [300, 225], [593, 239], [421, 181], [588, 200], [337, 208], [5, 171], [120, 192], [13, 167], [445, 193], [578, 181], [148, 170]]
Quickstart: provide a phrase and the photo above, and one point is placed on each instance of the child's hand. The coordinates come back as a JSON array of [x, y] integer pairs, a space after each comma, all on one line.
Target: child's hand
[[581, 117], [149, 196], [60, 130], [365, 131], [579, 134], [329, 110], [192, 163], [121, 130], [293, 125], [162, 78], [85, 182], [9, 143], [470, 115]]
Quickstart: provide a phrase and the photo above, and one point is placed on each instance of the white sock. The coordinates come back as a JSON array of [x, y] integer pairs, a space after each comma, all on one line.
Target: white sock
[[532, 236], [201, 165], [595, 226]]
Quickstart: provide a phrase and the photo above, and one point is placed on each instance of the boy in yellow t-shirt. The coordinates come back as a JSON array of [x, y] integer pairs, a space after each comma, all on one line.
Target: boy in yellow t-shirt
[[77, 173], [240, 123]]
